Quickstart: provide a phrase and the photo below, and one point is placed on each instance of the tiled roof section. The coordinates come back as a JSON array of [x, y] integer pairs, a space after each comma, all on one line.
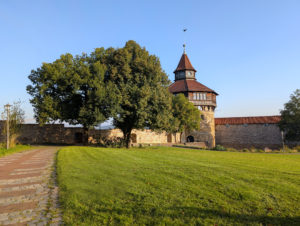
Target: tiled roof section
[[184, 64], [248, 120], [189, 85]]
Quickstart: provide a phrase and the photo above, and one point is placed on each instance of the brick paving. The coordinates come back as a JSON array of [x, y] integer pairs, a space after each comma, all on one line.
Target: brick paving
[[28, 193]]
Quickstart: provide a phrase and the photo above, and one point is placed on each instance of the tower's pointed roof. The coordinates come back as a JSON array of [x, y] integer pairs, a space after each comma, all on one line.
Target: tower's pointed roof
[[184, 64]]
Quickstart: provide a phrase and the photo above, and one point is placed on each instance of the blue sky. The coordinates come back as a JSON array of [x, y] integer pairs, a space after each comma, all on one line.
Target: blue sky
[[248, 51]]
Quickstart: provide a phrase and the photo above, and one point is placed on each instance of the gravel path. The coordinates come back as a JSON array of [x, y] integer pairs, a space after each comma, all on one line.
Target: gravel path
[[28, 193]]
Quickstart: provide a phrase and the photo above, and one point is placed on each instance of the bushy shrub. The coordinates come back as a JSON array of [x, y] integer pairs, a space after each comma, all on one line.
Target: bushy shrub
[[232, 150], [219, 148], [297, 148], [116, 142], [260, 150], [290, 150], [245, 150]]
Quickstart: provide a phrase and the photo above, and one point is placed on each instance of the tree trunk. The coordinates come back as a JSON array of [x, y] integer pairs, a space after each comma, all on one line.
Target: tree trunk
[[175, 137], [127, 136], [182, 137]]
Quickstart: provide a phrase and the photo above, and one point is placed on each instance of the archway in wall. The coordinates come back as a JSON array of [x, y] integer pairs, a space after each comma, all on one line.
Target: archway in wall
[[133, 138], [78, 138], [190, 139]]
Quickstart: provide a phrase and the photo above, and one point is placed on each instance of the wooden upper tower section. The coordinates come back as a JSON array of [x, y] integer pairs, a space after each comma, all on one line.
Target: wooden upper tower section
[[185, 82]]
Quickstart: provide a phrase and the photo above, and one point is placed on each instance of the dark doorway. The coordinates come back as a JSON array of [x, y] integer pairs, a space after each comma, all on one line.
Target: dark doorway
[[78, 138], [190, 139]]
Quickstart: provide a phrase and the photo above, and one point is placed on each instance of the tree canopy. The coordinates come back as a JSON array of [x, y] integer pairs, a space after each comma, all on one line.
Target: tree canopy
[[126, 84], [290, 117], [186, 117], [72, 90], [142, 89]]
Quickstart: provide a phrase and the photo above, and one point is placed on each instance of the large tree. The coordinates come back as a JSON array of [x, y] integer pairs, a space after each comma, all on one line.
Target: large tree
[[290, 118], [72, 90], [142, 90], [186, 117]]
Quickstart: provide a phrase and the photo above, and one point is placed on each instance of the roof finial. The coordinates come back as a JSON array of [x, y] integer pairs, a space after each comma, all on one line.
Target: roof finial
[[184, 30]]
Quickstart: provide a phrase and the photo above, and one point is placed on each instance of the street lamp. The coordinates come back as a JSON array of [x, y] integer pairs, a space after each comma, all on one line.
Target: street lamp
[[7, 109]]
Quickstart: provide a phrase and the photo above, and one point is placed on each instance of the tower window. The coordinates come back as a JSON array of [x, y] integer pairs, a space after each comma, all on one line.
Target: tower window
[[199, 96]]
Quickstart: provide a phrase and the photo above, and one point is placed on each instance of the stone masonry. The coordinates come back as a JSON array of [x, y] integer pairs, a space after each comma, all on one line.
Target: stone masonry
[[28, 193]]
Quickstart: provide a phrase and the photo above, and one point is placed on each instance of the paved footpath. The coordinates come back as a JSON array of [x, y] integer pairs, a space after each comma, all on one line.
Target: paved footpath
[[28, 193]]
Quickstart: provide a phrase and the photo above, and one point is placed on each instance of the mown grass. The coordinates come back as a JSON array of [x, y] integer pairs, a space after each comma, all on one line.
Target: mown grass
[[174, 186], [17, 148]]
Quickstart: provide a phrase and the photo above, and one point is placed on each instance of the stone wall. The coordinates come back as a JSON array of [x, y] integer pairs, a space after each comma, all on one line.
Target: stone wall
[[58, 134], [206, 134], [249, 135]]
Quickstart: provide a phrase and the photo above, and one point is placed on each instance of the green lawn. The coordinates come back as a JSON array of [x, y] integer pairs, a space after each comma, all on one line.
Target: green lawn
[[18, 148], [174, 186]]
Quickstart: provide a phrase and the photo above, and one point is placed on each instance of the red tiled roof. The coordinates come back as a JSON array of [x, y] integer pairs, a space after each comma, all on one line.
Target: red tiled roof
[[189, 85], [248, 120], [184, 64]]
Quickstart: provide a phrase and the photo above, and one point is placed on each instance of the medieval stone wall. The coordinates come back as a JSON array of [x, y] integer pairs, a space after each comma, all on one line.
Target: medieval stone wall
[[206, 134], [236, 136], [58, 134], [249, 135]]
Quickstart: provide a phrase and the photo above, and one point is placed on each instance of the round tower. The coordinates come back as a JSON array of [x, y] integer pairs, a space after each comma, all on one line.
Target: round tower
[[201, 96]]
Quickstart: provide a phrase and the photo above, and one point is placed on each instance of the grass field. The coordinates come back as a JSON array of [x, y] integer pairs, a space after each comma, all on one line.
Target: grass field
[[173, 186], [15, 149]]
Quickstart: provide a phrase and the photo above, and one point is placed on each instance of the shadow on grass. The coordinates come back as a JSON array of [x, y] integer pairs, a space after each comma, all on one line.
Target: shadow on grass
[[186, 214], [193, 212]]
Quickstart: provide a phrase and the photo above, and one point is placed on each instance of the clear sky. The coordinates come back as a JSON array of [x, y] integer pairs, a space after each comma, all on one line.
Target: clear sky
[[248, 51]]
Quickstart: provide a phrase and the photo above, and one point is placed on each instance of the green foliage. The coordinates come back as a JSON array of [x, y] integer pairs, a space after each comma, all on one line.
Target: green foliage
[[175, 186], [231, 149], [17, 148], [290, 118], [115, 142], [186, 117], [143, 99], [127, 84], [16, 119], [219, 148], [72, 90]]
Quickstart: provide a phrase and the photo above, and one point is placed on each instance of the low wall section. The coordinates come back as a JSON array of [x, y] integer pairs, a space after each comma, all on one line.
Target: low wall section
[[249, 135], [58, 134]]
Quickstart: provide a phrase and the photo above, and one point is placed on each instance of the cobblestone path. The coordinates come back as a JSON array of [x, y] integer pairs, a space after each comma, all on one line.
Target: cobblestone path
[[28, 193]]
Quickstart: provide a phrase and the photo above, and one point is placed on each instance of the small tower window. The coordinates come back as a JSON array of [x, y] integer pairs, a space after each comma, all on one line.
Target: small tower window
[[199, 96]]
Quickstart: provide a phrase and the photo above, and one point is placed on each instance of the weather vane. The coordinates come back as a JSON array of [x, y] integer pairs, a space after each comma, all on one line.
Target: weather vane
[[184, 30]]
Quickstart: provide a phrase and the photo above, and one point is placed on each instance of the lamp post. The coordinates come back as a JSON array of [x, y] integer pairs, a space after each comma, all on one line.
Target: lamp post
[[7, 108]]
